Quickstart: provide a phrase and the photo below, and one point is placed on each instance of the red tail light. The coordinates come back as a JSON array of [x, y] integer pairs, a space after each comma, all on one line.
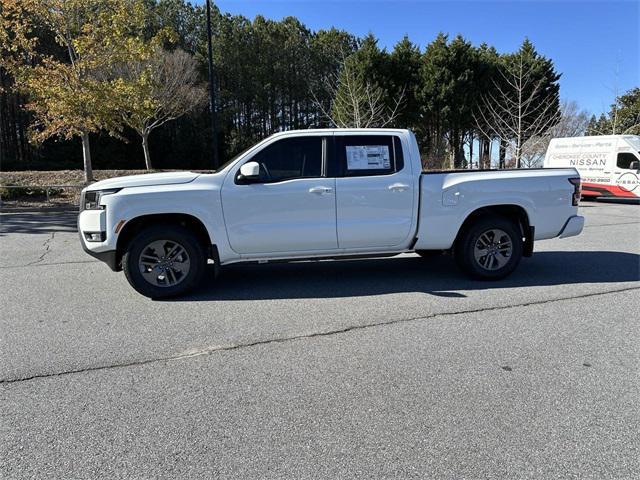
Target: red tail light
[[575, 199]]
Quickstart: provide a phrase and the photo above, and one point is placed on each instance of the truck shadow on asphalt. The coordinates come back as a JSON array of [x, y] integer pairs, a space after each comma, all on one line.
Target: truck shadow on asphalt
[[436, 276]]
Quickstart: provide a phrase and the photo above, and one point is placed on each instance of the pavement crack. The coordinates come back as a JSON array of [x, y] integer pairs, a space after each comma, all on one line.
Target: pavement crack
[[328, 333], [47, 248], [36, 264]]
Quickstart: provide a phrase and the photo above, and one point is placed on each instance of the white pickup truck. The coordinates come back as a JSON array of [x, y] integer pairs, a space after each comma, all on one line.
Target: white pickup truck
[[322, 194]]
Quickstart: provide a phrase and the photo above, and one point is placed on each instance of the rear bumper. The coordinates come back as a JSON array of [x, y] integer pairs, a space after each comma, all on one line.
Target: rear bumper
[[573, 227]]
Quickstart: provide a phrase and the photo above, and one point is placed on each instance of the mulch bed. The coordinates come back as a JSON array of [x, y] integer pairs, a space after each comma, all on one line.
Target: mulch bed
[[58, 197]]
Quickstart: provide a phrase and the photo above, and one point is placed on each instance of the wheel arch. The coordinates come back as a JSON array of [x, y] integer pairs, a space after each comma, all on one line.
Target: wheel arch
[[512, 212], [137, 224]]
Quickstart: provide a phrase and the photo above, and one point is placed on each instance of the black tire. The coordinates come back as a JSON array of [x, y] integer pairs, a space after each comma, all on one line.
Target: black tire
[[470, 243], [169, 236]]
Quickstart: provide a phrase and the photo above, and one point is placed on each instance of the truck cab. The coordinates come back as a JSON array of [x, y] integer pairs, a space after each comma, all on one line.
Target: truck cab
[[321, 192]]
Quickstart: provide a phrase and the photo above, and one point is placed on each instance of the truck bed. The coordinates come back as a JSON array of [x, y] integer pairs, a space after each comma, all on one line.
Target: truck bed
[[448, 197]]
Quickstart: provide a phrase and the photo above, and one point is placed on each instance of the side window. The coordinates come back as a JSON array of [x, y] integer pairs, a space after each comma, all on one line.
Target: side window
[[290, 158], [625, 159], [364, 155]]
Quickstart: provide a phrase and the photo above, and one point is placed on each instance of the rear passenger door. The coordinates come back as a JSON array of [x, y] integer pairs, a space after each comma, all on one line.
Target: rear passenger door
[[374, 191]]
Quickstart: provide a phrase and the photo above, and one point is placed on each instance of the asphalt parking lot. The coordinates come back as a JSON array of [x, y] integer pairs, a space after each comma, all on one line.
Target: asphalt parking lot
[[381, 368]]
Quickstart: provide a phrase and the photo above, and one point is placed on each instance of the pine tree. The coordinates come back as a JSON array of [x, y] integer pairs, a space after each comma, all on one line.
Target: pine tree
[[404, 80]]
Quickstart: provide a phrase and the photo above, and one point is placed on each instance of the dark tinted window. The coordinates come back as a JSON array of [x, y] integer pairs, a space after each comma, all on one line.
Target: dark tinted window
[[361, 155], [290, 158], [625, 159]]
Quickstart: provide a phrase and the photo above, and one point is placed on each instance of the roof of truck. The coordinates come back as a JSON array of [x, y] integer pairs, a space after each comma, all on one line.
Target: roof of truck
[[345, 130]]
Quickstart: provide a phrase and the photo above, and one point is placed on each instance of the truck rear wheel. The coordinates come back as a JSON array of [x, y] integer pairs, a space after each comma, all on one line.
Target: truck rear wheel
[[162, 262], [490, 248]]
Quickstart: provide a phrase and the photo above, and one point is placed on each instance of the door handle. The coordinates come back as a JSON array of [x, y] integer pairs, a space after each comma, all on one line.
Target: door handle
[[320, 190], [398, 187]]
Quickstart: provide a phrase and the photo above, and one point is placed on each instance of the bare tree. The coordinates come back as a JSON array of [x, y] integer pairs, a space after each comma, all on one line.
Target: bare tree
[[518, 108], [357, 103], [158, 90], [573, 122]]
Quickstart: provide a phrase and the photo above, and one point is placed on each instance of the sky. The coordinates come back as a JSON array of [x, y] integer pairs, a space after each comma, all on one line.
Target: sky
[[595, 45]]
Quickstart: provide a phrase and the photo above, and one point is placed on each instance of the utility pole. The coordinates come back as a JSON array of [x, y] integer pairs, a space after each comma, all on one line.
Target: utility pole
[[212, 93]]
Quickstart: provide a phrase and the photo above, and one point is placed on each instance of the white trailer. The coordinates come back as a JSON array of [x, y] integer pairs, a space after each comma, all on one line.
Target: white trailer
[[609, 165]]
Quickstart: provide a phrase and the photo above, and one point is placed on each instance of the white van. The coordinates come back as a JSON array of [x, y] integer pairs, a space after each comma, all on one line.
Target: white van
[[609, 165]]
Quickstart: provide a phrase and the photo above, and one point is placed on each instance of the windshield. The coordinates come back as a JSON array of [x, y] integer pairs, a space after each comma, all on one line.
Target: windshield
[[225, 164], [634, 140]]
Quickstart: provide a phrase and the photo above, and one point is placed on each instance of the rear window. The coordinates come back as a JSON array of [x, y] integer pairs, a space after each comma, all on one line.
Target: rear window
[[364, 155]]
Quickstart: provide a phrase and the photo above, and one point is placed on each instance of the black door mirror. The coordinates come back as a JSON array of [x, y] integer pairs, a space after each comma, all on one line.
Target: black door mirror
[[635, 165]]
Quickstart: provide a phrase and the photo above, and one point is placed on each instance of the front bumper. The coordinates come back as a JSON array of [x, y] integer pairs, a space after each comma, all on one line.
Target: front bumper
[[573, 227], [95, 221], [109, 257]]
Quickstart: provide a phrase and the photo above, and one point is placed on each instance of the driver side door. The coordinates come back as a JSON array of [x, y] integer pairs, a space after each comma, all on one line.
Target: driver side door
[[290, 208]]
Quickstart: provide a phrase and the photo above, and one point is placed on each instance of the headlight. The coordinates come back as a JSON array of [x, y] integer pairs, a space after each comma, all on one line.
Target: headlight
[[91, 200]]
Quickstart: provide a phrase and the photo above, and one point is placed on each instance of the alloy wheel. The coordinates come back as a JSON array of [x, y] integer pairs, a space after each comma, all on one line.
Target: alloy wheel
[[493, 249], [164, 263]]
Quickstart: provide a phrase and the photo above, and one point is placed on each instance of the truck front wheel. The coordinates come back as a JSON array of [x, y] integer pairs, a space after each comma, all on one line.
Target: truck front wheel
[[490, 248], [162, 262]]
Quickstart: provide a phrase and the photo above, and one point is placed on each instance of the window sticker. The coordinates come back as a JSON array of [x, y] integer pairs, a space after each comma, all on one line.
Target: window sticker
[[368, 157]]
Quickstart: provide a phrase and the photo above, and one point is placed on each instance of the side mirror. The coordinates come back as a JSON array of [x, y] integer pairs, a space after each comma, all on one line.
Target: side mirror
[[249, 172], [635, 165]]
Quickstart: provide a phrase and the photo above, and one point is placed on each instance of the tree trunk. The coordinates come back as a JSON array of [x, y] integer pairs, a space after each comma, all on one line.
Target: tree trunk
[[458, 152], [459, 158], [486, 153], [502, 153], [86, 155], [145, 148], [518, 152]]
